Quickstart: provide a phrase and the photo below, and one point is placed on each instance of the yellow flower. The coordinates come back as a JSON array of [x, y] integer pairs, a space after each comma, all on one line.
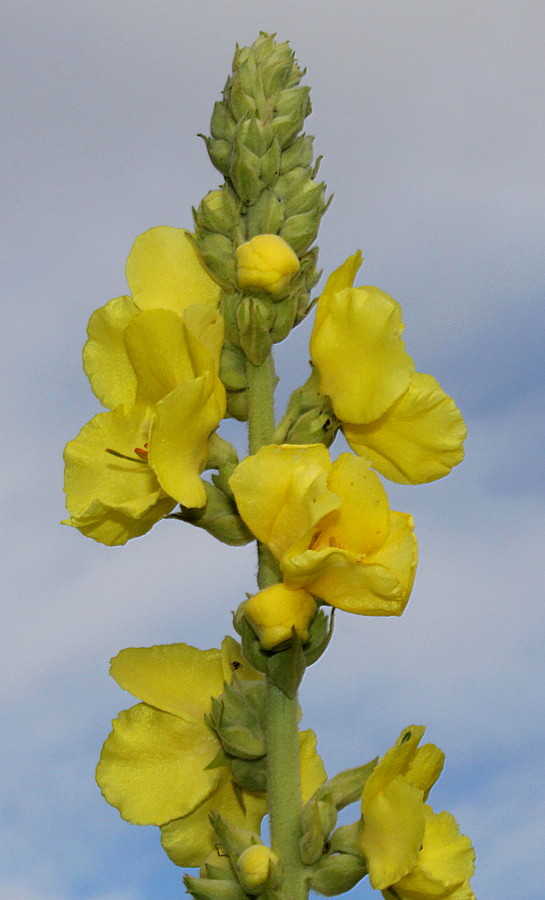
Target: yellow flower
[[393, 807], [445, 863], [153, 766], [266, 262], [400, 419], [329, 525], [152, 360], [275, 611]]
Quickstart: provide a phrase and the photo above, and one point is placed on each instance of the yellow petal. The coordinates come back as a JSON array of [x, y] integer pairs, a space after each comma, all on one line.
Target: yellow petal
[[340, 578], [164, 270], [393, 828], [341, 278], [153, 765], [157, 348], [175, 678], [399, 554], [114, 528], [444, 864], [425, 767], [359, 354], [313, 773], [234, 663], [178, 447], [362, 523], [281, 493], [189, 841], [419, 439], [396, 761], [112, 499], [204, 329], [105, 358]]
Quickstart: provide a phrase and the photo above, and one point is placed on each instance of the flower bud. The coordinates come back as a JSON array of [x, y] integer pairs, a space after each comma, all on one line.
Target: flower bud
[[266, 262], [254, 865], [275, 611]]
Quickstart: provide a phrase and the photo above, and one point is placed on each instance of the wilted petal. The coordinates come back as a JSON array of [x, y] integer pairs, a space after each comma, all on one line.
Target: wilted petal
[[164, 270], [105, 358], [175, 678], [359, 354], [178, 447], [153, 765], [419, 439]]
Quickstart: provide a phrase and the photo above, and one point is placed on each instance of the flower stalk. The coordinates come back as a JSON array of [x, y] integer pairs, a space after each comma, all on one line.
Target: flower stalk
[[283, 774]]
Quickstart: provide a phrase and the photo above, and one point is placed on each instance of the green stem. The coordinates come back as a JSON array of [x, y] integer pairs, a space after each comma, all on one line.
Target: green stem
[[284, 790], [283, 764]]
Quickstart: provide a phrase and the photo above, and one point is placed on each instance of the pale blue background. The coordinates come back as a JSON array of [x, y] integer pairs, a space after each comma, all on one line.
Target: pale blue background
[[430, 119]]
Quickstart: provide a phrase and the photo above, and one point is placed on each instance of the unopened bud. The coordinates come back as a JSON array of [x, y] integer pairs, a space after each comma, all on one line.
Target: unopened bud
[[275, 612], [266, 262], [254, 866]]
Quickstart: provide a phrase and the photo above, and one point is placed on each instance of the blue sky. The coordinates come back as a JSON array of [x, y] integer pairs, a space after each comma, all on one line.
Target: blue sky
[[429, 117]]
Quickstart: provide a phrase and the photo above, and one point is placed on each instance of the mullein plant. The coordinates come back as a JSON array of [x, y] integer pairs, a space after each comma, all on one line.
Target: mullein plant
[[213, 744]]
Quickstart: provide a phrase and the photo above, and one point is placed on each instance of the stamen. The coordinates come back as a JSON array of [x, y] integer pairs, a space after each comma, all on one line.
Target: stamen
[[129, 458], [142, 454]]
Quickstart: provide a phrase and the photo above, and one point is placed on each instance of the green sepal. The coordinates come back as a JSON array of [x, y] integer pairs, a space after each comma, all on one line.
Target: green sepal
[[254, 319], [309, 417], [237, 716], [218, 212], [318, 819], [301, 231], [233, 368], [347, 786], [347, 839], [337, 873], [251, 648], [286, 667], [217, 254], [284, 319], [311, 845], [217, 873], [266, 215], [245, 172], [222, 123], [213, 889], [219, 517], [232, 838], [319, 636], [238, 405], [250, 774]]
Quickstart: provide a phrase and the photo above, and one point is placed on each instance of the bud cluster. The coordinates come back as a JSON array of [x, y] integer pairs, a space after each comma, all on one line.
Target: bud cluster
[[270, 189], [237, 718]]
